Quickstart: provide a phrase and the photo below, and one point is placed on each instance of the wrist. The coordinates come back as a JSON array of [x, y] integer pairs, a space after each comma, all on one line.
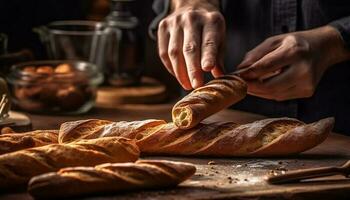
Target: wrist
[[334, 47], [209, 5]]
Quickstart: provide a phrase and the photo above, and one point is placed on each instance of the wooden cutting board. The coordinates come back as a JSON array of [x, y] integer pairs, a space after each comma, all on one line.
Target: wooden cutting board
[[150, 91], [18, 121]]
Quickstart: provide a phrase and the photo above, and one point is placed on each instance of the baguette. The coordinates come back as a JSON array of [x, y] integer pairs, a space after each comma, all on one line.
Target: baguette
[[18, 167], [10, 142], [268, 137], [207, 100], [107, 178], [94, 128]]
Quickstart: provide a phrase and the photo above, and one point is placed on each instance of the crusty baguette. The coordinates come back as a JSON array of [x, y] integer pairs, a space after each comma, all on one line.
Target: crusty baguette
[[107, 178], [18, 167], [77, 128], [10, 142], [268, 137], [204, 101], [94, 128]]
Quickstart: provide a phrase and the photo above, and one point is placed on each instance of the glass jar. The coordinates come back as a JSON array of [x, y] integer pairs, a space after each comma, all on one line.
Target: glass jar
[[54, 86]]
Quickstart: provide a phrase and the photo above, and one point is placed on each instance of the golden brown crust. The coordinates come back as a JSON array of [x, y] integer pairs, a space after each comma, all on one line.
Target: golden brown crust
[[77, 181], [268, 137], [18, 167], [298, 139], [207, 100], [11, 142], [70, 131], [93, 128]]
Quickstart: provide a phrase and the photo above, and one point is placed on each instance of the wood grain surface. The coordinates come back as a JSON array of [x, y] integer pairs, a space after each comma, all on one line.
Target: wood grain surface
[[227, 178]]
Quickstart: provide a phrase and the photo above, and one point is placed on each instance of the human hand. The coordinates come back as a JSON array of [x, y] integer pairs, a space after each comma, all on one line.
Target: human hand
[[289, 66], [190, 41]]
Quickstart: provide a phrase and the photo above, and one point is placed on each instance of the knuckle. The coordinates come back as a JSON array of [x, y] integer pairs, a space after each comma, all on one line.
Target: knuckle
[[163, 25], [190, 47], [163, 54], [272, 41], [209, 42], [192, 69], [173, 20], [173, 52], [215, 17], [292, 39], [190, 16]]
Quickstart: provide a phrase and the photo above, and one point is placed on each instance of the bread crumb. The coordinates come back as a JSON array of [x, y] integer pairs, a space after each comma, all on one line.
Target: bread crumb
[[211, 162]]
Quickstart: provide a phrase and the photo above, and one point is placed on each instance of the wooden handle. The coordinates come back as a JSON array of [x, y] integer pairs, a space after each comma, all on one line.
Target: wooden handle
[[303, 174]]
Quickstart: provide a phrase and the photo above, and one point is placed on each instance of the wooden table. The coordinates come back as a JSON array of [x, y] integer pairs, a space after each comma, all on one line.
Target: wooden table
[[233, 178]]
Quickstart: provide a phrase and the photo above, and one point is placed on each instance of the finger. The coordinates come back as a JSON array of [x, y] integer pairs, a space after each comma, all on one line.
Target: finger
[[281, 96], [163, 42], [260, 51], [270, 63], [192, 54], [274, 84], [177, 59], [277, 86], [219, 69], [212, 36], [217, 72]]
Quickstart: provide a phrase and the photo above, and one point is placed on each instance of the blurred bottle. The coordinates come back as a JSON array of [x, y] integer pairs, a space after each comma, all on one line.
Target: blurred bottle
[[124, 47], [4, 95]]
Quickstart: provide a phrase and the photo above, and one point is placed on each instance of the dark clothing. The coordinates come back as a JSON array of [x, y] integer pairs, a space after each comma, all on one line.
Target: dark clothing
[[249, 22]]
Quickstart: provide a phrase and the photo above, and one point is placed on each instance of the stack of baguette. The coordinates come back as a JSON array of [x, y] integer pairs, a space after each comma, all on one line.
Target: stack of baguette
[[97, 156]]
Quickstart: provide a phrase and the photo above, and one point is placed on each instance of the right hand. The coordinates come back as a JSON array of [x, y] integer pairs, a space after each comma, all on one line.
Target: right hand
[[190, 41]]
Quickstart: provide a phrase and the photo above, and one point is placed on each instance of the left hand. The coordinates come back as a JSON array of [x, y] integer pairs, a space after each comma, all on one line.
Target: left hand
[[289, 66]]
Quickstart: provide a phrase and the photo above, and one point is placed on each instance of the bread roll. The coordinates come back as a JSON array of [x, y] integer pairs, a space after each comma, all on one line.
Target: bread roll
[[107, 178], [202, 102], [268, 137], [18, 167], [10, 142]]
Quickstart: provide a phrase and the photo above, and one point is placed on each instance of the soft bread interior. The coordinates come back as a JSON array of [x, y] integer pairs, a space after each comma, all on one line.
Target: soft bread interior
[[182, 116]]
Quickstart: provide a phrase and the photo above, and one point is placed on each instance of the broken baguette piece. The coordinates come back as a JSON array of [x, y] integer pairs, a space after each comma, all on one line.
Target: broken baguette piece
[[204, 101]]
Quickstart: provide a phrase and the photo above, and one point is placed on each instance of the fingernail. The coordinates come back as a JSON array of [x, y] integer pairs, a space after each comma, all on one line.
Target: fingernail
[[195, 83], [208, 65]]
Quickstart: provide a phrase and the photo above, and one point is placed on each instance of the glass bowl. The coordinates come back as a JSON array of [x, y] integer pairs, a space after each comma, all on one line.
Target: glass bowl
[[54, 86]]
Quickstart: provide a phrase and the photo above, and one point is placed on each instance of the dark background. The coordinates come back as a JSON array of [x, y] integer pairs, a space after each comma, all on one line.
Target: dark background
[[18, 17]]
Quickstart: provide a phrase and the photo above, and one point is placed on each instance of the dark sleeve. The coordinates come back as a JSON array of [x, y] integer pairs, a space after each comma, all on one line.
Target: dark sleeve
[[161, 8], [343, 26]]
